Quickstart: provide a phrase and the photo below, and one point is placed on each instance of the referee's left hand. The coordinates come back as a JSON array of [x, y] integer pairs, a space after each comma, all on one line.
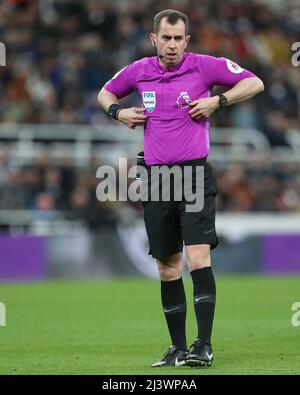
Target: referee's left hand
[[204, 107]]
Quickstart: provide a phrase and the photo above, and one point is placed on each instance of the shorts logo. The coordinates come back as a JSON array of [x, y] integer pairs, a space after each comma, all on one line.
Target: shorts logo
[[234, 67], [149, 101], [183, 100]]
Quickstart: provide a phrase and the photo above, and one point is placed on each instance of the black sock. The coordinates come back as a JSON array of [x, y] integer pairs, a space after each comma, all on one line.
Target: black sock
[[174, 305], [204, 302]]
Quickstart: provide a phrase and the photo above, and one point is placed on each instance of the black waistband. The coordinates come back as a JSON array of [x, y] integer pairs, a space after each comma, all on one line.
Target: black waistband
[[191, 162]]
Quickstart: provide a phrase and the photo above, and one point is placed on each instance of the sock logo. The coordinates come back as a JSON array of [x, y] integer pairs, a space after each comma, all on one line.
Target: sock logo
[[174, 308], [202, 297]]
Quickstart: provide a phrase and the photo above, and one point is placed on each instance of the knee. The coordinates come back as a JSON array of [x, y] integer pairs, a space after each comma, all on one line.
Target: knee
[[199, 260], [168, 273], [169, 269]]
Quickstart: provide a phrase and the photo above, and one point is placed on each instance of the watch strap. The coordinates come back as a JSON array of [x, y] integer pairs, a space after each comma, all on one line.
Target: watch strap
[[223, 101]]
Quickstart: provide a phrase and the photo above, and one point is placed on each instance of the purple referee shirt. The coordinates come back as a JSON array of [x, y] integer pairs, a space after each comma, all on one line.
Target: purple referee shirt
[[171, 135]]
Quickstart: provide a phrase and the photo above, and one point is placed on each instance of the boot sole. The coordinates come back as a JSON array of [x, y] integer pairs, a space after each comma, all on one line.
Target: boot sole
[[196, 363]]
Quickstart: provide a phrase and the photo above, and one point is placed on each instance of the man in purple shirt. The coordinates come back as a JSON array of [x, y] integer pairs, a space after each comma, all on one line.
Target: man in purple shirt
[[175, 87]]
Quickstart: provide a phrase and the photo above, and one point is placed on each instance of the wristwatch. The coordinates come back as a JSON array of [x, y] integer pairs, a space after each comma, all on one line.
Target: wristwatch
[[113, 110], [223, 101]]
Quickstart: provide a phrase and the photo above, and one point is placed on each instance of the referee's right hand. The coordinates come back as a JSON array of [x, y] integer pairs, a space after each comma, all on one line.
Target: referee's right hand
[[132, 117]]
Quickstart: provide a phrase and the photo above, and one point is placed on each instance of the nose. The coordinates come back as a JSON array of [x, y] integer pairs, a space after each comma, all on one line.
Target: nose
[[172, 44]]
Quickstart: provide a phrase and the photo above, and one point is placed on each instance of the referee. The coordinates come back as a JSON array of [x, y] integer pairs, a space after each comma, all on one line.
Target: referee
[[176, 90]]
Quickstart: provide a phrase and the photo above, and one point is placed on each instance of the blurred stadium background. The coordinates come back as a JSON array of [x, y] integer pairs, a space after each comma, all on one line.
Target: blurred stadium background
[[54, 136]]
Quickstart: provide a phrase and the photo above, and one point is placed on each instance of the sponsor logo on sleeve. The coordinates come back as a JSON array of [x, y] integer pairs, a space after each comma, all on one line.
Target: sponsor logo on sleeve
[[234, 67]]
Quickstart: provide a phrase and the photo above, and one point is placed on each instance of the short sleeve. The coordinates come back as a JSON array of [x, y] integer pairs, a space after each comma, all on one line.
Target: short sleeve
[[221, 71], [123, 82]]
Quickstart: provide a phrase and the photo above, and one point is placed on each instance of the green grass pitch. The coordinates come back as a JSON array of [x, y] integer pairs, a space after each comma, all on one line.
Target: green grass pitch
[[118, 327]]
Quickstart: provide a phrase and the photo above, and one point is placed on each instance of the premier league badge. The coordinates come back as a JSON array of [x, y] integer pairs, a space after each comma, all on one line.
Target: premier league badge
[[149, 101], [183, 100]]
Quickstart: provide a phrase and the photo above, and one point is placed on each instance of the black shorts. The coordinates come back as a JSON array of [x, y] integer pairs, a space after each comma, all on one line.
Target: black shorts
[[169, 225]]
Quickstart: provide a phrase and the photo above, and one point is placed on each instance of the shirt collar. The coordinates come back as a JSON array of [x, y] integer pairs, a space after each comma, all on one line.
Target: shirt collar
[[165, 69]]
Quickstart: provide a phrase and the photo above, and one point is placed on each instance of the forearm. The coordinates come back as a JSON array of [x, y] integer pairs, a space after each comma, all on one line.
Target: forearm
[[130, 117], [106, 98], [245, 89]]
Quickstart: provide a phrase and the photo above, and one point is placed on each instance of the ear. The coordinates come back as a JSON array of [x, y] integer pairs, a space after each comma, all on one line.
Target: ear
[[187, 40], [152, 39]]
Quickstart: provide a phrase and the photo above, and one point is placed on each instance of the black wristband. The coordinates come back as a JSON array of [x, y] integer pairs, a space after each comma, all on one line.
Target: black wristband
[[113, 110]]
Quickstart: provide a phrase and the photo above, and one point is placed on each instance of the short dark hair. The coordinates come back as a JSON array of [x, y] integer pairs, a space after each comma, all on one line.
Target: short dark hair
[[173, 17]]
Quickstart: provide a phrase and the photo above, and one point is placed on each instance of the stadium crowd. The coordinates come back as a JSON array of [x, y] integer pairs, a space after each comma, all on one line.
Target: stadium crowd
[[65, 191], [51, 192], [59, 53]]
